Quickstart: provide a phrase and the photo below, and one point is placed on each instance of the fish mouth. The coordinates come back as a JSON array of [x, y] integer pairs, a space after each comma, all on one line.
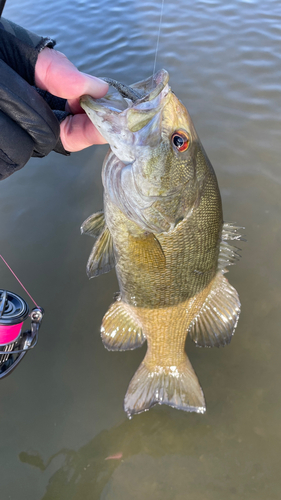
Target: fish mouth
[[130, 116], [130, 119], [121, 97]]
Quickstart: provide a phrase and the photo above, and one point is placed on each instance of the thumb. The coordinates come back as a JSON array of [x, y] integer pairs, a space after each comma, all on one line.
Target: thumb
[[77, 132], [56, 74]]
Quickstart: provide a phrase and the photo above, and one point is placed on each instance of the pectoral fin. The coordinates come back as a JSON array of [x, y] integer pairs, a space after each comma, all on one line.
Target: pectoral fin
[[119, 331], [102, 258], [94, 225], [148, 251], [216, 321]]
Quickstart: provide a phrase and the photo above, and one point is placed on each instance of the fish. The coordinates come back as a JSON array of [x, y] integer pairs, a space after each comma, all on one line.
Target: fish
[[162, 230]]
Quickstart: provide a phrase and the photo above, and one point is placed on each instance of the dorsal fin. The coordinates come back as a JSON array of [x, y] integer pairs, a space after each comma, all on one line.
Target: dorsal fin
[[229, 254], [232, 232], [216, 321]]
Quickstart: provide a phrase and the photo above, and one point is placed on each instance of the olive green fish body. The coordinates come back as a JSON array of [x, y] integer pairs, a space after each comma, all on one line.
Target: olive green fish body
[[162, 229], [159, 270]]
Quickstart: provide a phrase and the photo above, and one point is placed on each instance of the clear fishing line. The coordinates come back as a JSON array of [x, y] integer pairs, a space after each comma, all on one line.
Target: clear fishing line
[[14, 274], [158, 37]]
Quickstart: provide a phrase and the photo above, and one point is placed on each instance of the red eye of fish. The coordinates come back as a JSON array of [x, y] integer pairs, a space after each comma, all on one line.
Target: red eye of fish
[[180, 140]]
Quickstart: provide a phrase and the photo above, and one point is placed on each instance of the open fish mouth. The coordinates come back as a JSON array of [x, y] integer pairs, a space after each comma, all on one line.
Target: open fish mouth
[[121, 97], [138, 122], [130, 116]]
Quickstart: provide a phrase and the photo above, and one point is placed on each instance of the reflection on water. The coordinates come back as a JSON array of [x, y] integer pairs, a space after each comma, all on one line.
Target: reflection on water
[[62, 408], [145, 456]]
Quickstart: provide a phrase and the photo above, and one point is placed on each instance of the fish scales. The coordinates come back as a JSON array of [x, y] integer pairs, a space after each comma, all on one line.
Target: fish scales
[[184, 274], [163, 232]]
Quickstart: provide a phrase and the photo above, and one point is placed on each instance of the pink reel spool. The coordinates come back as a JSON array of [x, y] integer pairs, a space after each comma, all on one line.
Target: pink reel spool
[[13, 311], [9, 333]]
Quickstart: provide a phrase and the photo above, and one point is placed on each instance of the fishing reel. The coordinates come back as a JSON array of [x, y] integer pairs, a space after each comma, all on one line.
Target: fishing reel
[[14, 343]]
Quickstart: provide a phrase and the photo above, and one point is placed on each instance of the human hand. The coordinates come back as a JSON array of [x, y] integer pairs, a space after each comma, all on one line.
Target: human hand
[[56, 74]]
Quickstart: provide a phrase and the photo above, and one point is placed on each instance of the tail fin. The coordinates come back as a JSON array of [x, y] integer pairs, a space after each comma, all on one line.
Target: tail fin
[[174, 386]]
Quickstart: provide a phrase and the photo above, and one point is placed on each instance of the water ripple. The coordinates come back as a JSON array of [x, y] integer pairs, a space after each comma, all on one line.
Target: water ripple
[[208, 47]]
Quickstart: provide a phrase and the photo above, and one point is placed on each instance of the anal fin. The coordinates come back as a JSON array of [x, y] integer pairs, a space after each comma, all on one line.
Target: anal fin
[[119, 330], [175, 386], [216, 321]]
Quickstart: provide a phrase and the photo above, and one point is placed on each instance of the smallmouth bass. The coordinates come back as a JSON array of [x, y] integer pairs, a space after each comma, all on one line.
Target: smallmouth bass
[[162, 229]]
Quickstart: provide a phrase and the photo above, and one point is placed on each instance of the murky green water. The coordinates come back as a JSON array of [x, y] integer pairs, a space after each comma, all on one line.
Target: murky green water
[[61, 410]]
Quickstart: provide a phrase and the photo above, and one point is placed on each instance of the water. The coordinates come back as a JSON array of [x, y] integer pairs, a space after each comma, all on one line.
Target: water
[[61, 410]]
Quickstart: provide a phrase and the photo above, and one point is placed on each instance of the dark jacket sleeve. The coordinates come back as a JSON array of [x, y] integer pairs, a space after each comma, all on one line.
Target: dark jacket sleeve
[[19, 48], [29, 117]]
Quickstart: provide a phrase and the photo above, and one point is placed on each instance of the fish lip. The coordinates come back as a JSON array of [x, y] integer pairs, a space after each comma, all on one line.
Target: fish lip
[[87, 101], [150, 88]]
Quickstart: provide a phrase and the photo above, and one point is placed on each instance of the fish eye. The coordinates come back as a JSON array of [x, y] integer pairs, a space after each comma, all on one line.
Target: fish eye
[[180, 140]]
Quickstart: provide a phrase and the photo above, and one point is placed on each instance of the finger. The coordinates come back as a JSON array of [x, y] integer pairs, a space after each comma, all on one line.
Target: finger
[[56, 74], [78, 132], [73, 105]]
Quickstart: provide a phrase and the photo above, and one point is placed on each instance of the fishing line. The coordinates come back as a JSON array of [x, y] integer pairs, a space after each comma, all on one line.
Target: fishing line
[[159, 29], [10, 269]]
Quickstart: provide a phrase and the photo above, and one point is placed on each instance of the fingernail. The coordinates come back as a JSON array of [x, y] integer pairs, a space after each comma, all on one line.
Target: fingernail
[[99, 82]]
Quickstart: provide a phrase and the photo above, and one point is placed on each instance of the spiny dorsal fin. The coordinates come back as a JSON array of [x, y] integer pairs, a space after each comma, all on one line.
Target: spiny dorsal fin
[[102, 258], [232, 232], [119, 330], [215, 323], [94, 225], [229, 254]]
